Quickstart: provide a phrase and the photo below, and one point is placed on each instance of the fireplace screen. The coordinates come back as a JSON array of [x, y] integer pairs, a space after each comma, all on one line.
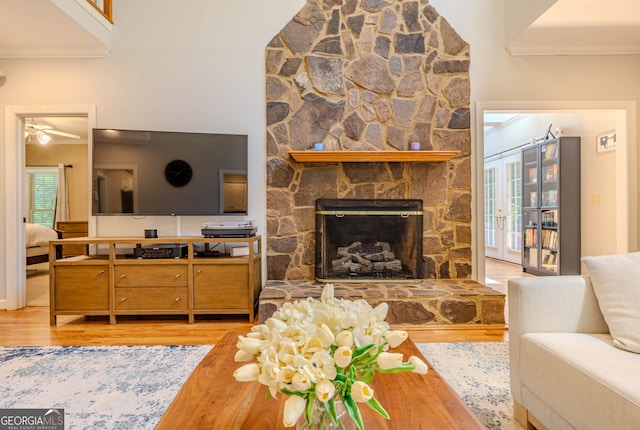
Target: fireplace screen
[[364, 240]]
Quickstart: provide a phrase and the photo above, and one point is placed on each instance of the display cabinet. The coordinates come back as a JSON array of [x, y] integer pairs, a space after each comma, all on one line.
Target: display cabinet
[[551, 207]]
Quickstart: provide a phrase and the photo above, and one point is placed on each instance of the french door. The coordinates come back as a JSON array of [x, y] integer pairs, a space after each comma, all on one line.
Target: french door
[[502, 208]]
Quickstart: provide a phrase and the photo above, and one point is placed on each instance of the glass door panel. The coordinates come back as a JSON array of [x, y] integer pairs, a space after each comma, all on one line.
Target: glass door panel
[[549, 240], [514, 202], [531, 250], [490, 191]]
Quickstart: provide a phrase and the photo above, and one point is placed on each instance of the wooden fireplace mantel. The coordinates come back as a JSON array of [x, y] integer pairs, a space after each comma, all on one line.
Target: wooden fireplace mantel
[[371, 156]]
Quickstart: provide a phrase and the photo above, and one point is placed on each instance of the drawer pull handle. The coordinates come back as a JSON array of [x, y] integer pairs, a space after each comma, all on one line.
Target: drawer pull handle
[[123, 276], [124, 299], [178, 299], [101, 272], [177, 276], [199, 270]]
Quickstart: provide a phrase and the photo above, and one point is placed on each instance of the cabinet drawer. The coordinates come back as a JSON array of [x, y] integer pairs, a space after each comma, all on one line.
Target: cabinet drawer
[[81, 288], [152, 298], [221, 287], [146, 275]]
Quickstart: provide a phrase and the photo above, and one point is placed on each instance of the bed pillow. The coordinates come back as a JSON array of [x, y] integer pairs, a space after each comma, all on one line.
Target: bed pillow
[[38, 235], [616, 283]]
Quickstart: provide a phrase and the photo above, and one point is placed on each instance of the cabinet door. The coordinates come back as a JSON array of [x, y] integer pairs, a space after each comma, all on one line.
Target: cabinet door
[[530, 175], [81, 288], [531, 239], [151, 275], [221, 287], [549, 189]]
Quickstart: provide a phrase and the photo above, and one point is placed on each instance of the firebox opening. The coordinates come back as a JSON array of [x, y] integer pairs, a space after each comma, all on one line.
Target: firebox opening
[[360, 240]]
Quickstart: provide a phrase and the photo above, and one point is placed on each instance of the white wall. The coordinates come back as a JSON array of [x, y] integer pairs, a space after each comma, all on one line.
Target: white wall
[[199, 66], [196, 66]]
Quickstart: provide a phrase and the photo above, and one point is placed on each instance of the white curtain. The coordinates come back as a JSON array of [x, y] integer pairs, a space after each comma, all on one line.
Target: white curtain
[[62, 201]]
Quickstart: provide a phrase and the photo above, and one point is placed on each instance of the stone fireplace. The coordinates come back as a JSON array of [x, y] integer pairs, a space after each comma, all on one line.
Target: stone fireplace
[[368, 75], [372, 75], [364, 240]]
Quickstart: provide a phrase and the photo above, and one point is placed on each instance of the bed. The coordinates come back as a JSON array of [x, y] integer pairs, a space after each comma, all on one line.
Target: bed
[[37, 239]]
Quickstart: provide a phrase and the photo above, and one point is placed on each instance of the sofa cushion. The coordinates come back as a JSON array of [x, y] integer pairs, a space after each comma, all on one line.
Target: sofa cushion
[[616, 282], [582, 377]]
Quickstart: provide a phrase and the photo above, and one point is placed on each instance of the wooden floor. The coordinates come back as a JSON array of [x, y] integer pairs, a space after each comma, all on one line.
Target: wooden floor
[[30, 326]]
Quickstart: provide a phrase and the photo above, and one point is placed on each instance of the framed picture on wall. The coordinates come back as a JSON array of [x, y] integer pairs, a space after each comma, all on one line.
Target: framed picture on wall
[[606, 141]]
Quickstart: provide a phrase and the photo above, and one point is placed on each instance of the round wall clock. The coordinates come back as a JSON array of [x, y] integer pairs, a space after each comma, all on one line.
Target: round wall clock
[[178, 173]]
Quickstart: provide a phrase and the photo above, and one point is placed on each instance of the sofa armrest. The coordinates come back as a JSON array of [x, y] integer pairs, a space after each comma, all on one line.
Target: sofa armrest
[[549, 304], [556, 304]]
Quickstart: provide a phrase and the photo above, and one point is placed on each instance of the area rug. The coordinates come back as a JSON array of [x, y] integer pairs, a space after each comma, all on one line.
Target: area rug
[[131, 387], [479, 373], [98, 387]]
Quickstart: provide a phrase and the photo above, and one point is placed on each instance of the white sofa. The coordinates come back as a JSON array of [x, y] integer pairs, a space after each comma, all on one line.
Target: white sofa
[[566, 372]]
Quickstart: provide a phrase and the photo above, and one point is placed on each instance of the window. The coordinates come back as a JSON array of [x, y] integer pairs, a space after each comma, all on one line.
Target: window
[[490, 206], [42, 189]]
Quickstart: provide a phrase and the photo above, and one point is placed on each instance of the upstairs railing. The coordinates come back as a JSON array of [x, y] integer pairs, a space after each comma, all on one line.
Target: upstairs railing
[[104, 7]]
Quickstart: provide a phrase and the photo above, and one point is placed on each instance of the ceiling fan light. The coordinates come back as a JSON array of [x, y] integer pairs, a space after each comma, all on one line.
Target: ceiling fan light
[[43, 138]]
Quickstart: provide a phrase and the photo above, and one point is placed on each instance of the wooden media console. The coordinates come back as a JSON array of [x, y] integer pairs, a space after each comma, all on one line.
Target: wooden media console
[[112, 282]]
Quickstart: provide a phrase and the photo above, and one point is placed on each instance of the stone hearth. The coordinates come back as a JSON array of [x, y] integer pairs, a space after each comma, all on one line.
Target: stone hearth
[[429, 302]]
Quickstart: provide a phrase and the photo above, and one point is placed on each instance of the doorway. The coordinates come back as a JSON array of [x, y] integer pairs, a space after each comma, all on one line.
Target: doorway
[[621, 234], [56, 198], [15, 247]]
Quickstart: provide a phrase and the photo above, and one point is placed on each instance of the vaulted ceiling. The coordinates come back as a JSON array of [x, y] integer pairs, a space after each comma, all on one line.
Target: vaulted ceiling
[[575, 27], [52, 29], [55, 28]]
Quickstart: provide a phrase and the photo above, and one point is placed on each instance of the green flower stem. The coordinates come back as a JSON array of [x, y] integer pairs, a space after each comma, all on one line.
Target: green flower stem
[[354, 411]]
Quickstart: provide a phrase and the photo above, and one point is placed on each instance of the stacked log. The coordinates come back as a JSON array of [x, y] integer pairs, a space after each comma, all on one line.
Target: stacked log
[[354, 258]]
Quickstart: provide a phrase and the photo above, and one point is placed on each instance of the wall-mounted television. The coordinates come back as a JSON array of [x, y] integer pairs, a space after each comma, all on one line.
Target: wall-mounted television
[[137, 172]]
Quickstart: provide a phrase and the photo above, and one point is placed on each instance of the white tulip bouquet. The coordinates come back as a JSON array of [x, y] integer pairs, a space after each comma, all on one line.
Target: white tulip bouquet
[[323, 350]]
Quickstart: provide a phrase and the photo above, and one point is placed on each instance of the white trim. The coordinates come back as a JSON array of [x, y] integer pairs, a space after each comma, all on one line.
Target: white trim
[[574, 49], [54, 52], [14, 278], [626, 159]]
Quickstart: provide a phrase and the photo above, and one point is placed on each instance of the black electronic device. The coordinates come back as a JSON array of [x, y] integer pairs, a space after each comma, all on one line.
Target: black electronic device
[[160, 251]]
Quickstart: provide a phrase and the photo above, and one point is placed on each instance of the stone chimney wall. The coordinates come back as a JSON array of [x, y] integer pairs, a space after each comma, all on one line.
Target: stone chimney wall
[[368, 75]]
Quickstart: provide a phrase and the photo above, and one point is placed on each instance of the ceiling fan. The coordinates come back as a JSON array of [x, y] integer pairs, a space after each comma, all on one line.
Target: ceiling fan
[[41, 133]]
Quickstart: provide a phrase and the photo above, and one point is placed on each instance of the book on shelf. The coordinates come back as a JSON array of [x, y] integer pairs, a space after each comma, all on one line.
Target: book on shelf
[[549, 151], [549, 218], [533, 174], [531, 237], [550, 173], [549, 260], [532, 257], [550, 198], [549, 239]]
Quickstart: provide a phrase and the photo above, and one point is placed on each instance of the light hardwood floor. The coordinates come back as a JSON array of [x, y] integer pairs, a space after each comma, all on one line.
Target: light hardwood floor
[[30, 326]]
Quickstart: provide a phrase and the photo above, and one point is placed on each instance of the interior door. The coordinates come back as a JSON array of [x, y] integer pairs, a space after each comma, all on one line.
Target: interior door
[[502, 208]]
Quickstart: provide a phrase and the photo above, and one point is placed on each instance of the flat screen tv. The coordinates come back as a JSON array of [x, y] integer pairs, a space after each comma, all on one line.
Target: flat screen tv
[[138, 172]]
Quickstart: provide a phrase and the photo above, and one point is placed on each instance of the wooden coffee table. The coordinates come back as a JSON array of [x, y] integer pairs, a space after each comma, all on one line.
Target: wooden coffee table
[[211, 398]]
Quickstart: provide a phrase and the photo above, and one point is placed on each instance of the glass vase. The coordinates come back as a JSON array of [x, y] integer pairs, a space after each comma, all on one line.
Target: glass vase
[[321, 420]]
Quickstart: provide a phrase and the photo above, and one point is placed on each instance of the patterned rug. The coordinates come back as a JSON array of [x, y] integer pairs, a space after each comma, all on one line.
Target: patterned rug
[[479, 373], [98, 387], [131, 387]]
